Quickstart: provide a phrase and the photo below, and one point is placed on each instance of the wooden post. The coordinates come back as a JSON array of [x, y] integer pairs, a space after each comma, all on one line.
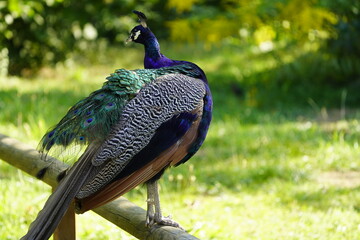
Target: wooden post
[[66, 229], [121, 212]]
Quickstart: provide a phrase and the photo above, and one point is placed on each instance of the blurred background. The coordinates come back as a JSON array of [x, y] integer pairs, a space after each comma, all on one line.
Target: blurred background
[[281, 160]]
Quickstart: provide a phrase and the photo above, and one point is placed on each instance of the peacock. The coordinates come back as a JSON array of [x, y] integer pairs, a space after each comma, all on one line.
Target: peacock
[[136, 126]]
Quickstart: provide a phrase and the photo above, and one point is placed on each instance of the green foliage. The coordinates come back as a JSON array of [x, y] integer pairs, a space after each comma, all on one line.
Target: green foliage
[[312, 43], [38, 33], [259, 21], [300, 80], [342, 43], [35, 34]]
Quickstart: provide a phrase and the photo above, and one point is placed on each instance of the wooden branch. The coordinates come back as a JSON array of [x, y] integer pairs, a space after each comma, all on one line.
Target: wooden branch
[[121, 212]]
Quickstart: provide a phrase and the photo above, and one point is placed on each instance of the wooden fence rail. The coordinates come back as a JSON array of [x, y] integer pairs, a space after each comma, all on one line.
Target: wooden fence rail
[[120, 212]]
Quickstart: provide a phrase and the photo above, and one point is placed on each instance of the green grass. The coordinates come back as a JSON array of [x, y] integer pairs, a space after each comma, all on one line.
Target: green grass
[[263, 172]]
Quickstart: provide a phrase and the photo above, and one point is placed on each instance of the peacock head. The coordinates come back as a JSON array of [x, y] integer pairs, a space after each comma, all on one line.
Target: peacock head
[[141, 33]]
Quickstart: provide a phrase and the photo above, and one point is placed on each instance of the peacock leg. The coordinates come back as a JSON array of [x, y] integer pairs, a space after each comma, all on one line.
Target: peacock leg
[[153, 202], [150, 206]]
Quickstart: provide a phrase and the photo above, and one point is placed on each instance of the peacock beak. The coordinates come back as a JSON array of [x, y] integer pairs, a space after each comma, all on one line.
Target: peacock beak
[[129, 39]]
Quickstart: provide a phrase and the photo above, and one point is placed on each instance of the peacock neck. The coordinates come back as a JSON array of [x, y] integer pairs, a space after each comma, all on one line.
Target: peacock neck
[[153, 57], [152, 48]]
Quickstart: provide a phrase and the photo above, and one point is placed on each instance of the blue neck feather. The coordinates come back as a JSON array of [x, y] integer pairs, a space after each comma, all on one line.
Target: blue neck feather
[[152, 48], [153, 57]]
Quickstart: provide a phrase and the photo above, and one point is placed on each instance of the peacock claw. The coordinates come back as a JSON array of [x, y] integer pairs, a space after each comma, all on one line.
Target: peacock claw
[[151, 221], [167, 221]]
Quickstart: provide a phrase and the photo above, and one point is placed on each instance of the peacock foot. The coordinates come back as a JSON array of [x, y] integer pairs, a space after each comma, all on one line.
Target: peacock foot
[[153, 214], [156, 219]]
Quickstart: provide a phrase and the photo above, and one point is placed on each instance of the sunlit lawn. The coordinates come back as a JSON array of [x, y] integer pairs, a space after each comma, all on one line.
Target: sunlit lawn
[[279, 173]]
